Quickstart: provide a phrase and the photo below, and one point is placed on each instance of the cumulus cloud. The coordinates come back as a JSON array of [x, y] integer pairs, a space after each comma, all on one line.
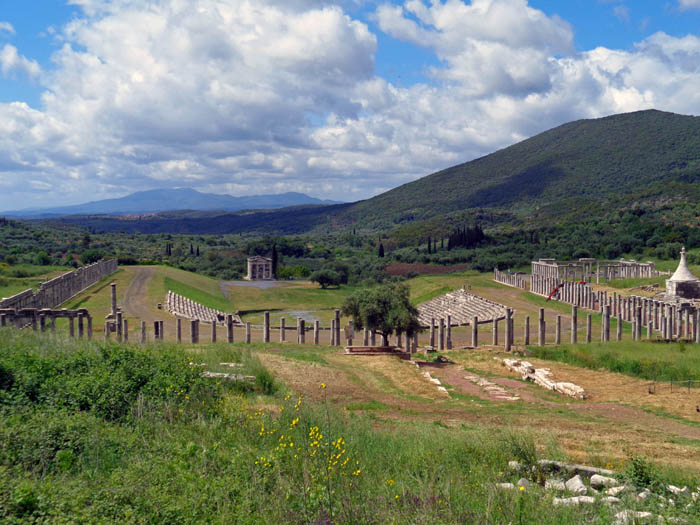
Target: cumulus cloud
[[263, 96], [689, 4], [6, 27], [11, 60]]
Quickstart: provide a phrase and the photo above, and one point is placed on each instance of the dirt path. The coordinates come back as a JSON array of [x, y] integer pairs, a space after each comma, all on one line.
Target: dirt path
[[134, 303]]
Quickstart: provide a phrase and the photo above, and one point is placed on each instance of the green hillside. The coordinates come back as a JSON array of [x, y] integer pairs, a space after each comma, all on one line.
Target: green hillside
[[630, 156]]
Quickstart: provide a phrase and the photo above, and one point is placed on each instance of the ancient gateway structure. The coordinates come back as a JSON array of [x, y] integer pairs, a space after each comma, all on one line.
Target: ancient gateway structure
[[683, 284], [259, 269], [590, 269], [57, 291]]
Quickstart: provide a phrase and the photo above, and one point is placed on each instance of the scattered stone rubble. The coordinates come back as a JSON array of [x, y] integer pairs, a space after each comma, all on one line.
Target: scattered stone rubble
[[494, 390], [542, 377], [602, 488]]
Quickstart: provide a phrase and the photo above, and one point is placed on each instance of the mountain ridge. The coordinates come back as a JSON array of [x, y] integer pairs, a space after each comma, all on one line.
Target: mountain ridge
[[165, 200]]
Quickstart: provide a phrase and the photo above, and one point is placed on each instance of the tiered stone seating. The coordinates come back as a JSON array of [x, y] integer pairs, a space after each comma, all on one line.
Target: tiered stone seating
[[183, 307], [461, 306]]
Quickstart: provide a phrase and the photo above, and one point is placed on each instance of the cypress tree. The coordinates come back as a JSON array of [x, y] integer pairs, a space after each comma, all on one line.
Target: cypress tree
[[381, 250]]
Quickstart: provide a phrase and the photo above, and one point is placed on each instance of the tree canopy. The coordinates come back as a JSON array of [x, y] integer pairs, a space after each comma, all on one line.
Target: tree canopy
[[387, 309], [325, 278]]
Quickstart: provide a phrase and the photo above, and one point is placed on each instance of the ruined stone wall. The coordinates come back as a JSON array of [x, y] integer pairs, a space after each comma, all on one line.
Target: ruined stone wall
[[58, 290]]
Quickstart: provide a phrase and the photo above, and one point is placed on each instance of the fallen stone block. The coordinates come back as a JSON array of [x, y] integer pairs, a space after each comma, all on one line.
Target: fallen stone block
[[611, 500], [614, 491], [575, 486], [554, 484], [505, 486], [600, 482], [573, 501], [627, 517], [676, 490]]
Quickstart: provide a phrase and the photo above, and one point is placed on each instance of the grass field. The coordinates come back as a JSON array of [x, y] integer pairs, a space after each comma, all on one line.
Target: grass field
[[653, 361], [15, 279], [103, 433]]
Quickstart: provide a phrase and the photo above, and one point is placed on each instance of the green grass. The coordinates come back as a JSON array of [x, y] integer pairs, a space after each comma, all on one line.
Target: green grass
[[95, 433], [369, 405], [646, 360], [218, 302], [634, 282], [16, 279]]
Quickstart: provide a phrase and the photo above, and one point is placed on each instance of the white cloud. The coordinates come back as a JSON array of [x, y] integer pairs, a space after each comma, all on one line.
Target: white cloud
[[6, 27], [11, 60], [689, 4], [622, 12], [253, 96]]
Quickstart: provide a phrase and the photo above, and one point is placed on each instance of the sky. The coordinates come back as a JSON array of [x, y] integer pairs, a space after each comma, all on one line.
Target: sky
[[340, 100]]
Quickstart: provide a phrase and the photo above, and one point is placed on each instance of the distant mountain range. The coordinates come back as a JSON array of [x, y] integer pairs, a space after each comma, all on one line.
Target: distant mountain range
[[155, 201]]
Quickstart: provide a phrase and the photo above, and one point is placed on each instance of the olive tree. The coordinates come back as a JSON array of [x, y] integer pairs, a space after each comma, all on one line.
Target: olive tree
[[385, 309]]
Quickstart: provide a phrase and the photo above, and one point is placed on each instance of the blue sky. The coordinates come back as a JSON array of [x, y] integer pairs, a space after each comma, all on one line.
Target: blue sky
[[341, 100]]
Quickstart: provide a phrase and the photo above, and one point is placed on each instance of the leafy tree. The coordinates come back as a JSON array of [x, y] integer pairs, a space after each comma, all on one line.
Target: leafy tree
[[91, 256], [325, 278], [386, 309], [42, 258]]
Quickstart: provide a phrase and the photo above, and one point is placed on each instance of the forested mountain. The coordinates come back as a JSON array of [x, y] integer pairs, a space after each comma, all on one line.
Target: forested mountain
[[635, 155]]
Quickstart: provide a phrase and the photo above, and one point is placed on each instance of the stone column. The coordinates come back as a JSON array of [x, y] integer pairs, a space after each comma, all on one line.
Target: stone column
[[475, 331], [229, 328], [574, 325], [495, 332], [605, 325], [143, 332], [42, 323], [302, 332], [114, 300], [649, 330], [283, 327], [125, 334], [178, 330], [542, 327], [108, 327], [365, 337], [119, 326], [686, 323], [156, 331], [336, 314], [71, 326], [247, 333], [317, 330], [299, 331], [449, 333], [213, 332], [399, 339], [526, 334], [509, 330], [266, 327], [372, 338], [557, 331], [697, 325], [414, 345], [589, 327], [432, 332], [81, 327], [441, 335], [3, 320], [194, 339], [619, 327], [332, 332]]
